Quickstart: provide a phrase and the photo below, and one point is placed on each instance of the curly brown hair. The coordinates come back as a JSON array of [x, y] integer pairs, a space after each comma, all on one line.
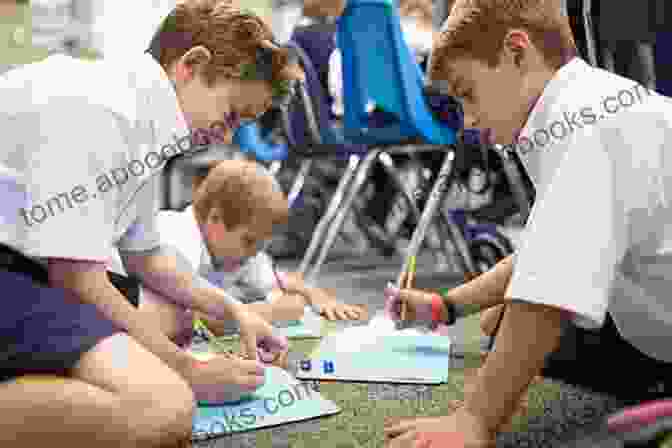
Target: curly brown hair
[[233, 36]]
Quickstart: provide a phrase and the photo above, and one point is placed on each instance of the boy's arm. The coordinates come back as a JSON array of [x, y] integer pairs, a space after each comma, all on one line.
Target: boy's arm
[[90, 283], [528, 333], [485, 291], [559, 278], [161, 270]]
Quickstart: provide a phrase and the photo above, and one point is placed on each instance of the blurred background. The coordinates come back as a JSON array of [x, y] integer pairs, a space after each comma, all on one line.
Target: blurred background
[[31, 30]]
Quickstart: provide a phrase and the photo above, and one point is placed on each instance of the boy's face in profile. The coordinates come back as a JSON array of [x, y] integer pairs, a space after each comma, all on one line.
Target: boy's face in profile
[[231, 247], [228, 101], [496, 99]]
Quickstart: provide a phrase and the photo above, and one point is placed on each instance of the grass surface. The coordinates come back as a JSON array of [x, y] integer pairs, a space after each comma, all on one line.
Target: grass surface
[[361, 422]]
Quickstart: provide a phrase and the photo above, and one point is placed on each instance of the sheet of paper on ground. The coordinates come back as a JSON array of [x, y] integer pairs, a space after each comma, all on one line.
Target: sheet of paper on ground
[[377, 352], [308, 327], [281, 400]]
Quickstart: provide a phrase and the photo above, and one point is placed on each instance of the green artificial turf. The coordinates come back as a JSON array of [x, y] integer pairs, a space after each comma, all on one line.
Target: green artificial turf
[[361, 422]]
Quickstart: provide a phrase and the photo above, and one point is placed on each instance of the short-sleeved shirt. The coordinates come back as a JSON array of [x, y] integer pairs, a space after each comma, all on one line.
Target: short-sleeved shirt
[[599, 237], [253, 281], [83, 146]]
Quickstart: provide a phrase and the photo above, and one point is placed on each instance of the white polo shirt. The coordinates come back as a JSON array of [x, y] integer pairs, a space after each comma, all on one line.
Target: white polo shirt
[[82, 150], [599, 237], [252, 281]]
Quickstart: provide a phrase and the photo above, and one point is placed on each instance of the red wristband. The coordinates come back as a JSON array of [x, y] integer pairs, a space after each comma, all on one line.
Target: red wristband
[[437, 304]]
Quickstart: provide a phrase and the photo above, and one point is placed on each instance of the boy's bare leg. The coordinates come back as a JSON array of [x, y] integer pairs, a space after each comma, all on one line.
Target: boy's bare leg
[[118, 395]]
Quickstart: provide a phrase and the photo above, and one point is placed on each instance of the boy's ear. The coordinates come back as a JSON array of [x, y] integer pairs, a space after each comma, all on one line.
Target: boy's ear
[[214, 226], [517, 41], [196, 59]]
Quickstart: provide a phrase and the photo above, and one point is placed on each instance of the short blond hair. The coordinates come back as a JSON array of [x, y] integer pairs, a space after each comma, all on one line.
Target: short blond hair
[[477, 28], [243, 191]]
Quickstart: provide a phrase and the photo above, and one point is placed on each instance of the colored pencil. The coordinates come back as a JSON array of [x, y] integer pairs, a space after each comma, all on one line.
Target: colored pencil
[[410, 277]]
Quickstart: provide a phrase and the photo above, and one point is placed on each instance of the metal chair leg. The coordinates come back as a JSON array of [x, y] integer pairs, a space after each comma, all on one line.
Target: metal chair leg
[[591, 44], [299, 181], [335, 226], [646, 64], [274, 168], [515, 180], [434, 232], [435, 200], [608, 59], [332, 209]]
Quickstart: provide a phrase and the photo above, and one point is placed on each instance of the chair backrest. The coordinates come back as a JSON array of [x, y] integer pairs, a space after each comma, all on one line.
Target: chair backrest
[[319, 103], [318, 41], [298, 129], [248, 138], [379, 68]]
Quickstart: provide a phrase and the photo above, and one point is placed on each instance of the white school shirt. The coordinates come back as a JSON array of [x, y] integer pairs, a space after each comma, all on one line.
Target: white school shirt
[[599, 237], [180, 231], [68, 125]]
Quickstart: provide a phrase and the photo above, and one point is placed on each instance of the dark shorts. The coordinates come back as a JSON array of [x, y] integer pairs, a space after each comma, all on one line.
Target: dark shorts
[[47, 330], [605, 362]]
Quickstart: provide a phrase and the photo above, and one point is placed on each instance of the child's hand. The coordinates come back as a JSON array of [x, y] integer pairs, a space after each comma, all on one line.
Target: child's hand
[[418, 304], [225, 378], [256, 332], [328, 306], [288, 307], [459, 429]]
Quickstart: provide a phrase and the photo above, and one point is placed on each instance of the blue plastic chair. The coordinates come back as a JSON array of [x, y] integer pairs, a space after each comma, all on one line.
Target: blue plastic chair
[[379, 68]]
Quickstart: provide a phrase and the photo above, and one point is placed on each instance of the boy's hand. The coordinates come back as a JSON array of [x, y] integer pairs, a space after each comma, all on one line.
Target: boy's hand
[[287, 306], [255, 332], [328, 306], [225, 378], [418, 304], [324, 301], [460, 429]]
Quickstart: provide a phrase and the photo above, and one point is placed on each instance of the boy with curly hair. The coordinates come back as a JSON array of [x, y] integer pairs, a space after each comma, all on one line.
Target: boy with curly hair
[[85, 145]]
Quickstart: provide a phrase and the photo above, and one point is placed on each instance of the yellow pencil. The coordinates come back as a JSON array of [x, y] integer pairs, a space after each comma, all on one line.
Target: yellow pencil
[[410, 276], [411, 272], [212, 339]]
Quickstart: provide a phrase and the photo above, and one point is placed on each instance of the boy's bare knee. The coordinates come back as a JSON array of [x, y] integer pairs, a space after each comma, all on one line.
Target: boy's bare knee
[[166, 421]]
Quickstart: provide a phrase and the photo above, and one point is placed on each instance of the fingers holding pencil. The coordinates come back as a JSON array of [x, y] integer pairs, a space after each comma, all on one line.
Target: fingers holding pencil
[[405, 281]]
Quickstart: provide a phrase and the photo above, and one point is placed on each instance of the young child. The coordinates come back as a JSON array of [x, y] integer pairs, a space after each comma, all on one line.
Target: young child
[[236, 206], [587, 291], [84, 146]]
